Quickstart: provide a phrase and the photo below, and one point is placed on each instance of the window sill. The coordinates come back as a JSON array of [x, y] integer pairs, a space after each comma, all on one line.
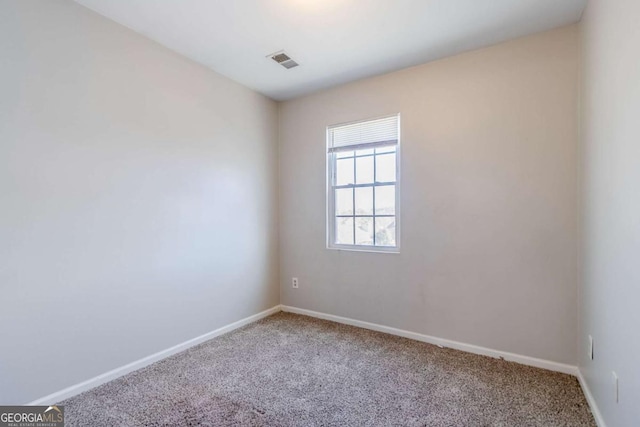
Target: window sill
[[367, 249]]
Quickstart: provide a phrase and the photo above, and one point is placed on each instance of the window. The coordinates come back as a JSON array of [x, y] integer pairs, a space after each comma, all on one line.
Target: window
[[363, 185]]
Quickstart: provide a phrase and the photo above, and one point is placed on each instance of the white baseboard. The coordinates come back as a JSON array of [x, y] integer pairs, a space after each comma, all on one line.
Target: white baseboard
[[138, 364], [591, 400], [470, 348]]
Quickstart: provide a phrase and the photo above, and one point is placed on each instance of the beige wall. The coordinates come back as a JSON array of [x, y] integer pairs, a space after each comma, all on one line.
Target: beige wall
[[138, 198], [489, 155], [610, 261]]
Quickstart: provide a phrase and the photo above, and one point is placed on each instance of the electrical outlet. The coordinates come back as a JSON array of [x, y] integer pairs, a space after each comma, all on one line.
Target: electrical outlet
[[614, 377], [294, 283], [590, 347]]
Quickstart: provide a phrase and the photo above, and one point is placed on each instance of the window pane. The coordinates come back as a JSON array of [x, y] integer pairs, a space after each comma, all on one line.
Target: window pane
[[343, 154], [344, 171], [386, 168], [364, 170], [385, 231], [344, 201], [387, 149], [386, 200], [344, 231], [364, 152], [364, 201], [364, 231]]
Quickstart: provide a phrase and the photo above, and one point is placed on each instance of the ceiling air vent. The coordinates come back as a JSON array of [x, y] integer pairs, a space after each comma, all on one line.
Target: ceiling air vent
[[283, 59]]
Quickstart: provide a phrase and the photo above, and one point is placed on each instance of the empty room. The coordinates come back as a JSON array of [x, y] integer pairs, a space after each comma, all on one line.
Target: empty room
[[319, 213]]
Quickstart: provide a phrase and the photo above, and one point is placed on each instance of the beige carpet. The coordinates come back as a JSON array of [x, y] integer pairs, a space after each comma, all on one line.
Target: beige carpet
[[291, 370]]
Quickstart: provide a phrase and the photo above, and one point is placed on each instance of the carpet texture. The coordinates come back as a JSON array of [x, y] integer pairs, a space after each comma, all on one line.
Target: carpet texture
[[291, 370]]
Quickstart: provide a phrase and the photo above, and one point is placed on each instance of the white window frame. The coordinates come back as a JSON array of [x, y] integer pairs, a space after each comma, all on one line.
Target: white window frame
[[330, 196]]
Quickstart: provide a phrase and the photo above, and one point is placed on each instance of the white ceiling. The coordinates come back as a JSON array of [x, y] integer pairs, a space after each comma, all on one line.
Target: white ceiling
[[334, 41]]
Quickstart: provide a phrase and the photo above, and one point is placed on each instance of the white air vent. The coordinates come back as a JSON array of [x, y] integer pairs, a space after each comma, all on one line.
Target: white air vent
[[283, 59]]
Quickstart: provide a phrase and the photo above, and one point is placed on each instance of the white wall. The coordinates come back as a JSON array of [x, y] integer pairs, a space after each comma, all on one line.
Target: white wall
[[489, 178], [138, 198], [610, 291]]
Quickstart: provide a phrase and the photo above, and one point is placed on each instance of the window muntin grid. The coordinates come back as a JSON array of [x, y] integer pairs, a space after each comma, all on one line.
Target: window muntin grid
[[363, 197]]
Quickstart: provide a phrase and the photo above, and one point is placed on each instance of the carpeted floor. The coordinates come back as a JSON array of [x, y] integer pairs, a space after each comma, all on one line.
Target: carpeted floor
[[291, 370]]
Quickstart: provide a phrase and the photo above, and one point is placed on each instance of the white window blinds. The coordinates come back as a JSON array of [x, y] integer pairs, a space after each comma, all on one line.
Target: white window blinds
[[372, 133]]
